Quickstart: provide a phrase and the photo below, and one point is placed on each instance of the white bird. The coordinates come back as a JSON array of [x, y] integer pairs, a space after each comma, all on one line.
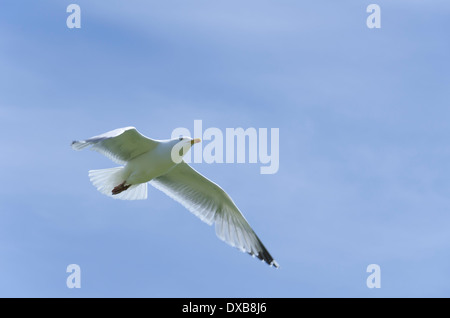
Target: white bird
[[146, 160]]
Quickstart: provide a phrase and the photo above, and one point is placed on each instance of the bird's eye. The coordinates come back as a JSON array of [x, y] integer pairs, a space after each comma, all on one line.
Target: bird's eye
[[181, 138]]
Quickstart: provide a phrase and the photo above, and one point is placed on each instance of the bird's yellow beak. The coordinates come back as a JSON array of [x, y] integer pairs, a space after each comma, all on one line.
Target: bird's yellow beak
[[195, 141]]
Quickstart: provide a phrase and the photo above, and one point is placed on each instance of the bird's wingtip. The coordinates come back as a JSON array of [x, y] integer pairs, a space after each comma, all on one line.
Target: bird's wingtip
[[78, 145], [268, 260], [274, 264]]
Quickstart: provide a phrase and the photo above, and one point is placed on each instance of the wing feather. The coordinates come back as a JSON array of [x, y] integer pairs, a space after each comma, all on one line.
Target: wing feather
[[212, 204], [120, 145]]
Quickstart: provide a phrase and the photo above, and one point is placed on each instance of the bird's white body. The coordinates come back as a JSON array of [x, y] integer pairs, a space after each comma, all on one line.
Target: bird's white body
[[149, 165], [145, 160]]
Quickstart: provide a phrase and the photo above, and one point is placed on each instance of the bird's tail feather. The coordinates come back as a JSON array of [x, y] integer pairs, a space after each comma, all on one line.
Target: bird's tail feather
[[106, 179]]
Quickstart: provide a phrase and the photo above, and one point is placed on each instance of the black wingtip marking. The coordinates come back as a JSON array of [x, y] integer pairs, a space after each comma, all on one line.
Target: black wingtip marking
[[265, 256]]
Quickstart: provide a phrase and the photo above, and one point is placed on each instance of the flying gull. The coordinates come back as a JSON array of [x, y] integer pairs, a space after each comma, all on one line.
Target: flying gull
[[144, 160]]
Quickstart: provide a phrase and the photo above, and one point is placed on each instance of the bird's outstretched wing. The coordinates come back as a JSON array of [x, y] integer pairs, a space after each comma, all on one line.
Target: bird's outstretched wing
[[211, 204], [120, 145]]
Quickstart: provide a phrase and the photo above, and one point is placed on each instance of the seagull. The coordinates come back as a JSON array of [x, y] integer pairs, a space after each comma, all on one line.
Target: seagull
[[159, 162]]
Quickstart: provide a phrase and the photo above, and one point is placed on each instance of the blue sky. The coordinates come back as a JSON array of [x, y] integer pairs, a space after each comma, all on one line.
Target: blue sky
[[364, 156]]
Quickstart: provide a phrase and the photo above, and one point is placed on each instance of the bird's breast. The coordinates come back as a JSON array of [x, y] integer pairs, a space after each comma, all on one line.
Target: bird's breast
[[147, 167]]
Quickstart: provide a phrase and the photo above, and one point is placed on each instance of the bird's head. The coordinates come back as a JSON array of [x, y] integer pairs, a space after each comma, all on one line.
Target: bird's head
[[188, 140], [180, 146]]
